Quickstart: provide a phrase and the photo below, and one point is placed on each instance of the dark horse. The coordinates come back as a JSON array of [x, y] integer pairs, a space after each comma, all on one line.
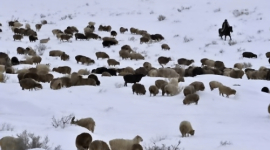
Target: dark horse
[[226, 32]]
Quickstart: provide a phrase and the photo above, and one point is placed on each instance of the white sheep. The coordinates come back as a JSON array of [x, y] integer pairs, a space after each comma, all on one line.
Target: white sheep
[[83, 72], [124, 144], [27, 26], [87, 123], [44, 40], [167, 73], [214, 84], [186, 129], [17, 25], [153, 73], [9, 143], [171, 89]]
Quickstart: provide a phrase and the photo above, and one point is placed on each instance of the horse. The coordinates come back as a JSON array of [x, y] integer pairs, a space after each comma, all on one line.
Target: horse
[[226, 32]]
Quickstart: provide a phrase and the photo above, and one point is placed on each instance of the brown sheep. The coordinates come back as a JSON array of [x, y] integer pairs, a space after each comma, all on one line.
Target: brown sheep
[[30, 84], [105, 28], [163, 60], [214, 84], [153, 90], [56, 84], [65, 37], [99, 145], [21, 50], [33, 70], [136, 147], [38, 27], [160, 83], [184, 61], [113, 33], [124, 54], [112, 62], [83, 72], [31, 52], [269, 108], [191, 98], [210, 63], [17, 37], [57, 53], [144, 40], [102, 55], [62, 69], [105, 74], [133, 30], [199, 86], [167, 73], [236, 73], [36, 59], [66, 81], [147, 65], [83, 141], [138, 89], [86, 81], [64, 56], [136, 56], [92, 36], [239, 66], [87, 123], [267, 54], [123, 30], [11, 143], [2, 78], [86, 60], [127, 47], [219, 65], [31, 75], [186, 129], [153, 73], [45, 68], [189, 90], [165, 47], [141, 70], [226, 90], [45, 77]]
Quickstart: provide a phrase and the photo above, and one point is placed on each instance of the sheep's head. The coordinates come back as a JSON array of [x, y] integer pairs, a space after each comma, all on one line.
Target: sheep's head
[[192, 132], [233, 92], [138, 139]]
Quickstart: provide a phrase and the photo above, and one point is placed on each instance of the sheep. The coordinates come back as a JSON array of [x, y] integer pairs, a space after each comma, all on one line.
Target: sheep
[[124, 144], [219, 65], [191, 98], [100, 70], [80, 36], [186, 129], [265, 89], [167, 73], [113, 33], [189, 90], [102, 55], [2, 68], [86, 81], [11, 143], [147, 65], [141, 70], [56, 31], [269, 108], [17, 37], [199, 86], [17, 24], [236, 73], [43, 68], [160, 83], [214, 84], [105, 28], [65, 37], [112, 62], [21, 50], [31, 75], [226, 90], [239, 66], [133, 30], [64, 56], [132, 78], [163, 60], [62, 69], [124, 54], [32, 38], [184, 61], [136, 147], [136, 56], [42, 41], [153, 90], [36, 59], [249, 55], [83, 141], [27, 26], [66, 81], [144, 40], [165, 47], [156, 37], [92, 76], [106, 74], [56, 84], [87, 123], [15, 61], [45, 78], [138, 89], [171, 89], [127, 48], [92, 36], [86, 60], [57, 53], [30, 84], [210, 63], [2, 77], [123, 30], [38, 27], [83, 72], [267, 54], [98, 145]]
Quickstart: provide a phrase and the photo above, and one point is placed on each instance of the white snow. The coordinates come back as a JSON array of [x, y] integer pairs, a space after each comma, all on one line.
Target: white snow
[[241, 119]]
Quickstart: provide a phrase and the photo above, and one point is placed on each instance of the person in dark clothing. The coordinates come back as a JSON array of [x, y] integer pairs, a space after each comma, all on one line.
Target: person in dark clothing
[[225, 25]]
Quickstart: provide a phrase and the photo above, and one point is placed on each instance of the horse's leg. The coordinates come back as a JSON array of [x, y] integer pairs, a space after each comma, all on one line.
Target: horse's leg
[[225, 37]]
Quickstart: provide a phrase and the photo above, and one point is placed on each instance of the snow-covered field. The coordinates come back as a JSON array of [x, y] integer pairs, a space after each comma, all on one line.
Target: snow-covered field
[[241, 120]]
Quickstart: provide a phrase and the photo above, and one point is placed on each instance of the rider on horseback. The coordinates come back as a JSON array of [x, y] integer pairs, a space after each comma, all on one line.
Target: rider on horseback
[[225, 25]]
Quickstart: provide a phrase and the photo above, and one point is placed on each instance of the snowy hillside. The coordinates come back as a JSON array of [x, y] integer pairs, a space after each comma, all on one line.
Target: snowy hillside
[[240, 121]]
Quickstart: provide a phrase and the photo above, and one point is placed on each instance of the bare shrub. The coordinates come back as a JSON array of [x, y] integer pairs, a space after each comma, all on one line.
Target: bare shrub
[[221, 51], [240, 49], [247, 65], [42, 16], [217, 10], [40, 48], [232, 42], [118, 85], [259, 31], [30, 141], [238, 13], [69, 16], [5, 78], [163, 147], [224, 143], [131, 38], [6, 127], [186, 39], [62, 122], [161, 18]]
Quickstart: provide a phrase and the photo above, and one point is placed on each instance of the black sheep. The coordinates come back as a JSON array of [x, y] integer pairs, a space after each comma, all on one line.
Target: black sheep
[[249, 55], [95, 78], [197, 71], [132, 78], [15, 61], [80, 36], [265, 89], [32, 38]]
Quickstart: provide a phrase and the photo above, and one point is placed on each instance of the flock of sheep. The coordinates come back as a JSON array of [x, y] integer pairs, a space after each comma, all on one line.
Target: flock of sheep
[[30, 78]]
